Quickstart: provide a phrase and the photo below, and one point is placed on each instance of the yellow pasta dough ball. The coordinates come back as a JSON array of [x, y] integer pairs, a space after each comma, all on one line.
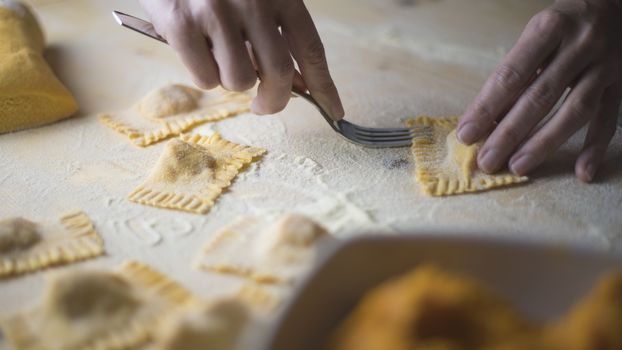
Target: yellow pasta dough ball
[[30, 93]]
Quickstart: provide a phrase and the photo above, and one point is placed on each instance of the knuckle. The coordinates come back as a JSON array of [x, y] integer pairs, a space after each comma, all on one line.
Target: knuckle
[[213, 6], [314, 53], [282, 71], [508, 77], [583, 6], [178, 27], [549, 20], [581, 110], [291, 6], [325, 86], [481, 110], [253, 4], [590, 38], [508, 136], [541, 96], [545, 144]]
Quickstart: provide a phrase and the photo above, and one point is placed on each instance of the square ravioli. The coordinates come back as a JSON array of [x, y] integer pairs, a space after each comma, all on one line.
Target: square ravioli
[[173, 109], [26, 246], [275, 253], [444, 166], [193, 171], [97, 309]]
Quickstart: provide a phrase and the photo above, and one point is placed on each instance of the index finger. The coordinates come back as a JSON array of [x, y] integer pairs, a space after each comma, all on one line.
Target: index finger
[[537, 42], [308, 51]]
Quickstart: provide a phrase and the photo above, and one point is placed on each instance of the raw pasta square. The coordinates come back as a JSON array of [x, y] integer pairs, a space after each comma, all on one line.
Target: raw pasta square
[[444, 166], [173, 109], [26, 246], [97, 309], [276, 253], [193, 171]]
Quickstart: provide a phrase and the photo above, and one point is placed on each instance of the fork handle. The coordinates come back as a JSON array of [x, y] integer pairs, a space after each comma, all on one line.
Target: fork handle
[[307, 96]]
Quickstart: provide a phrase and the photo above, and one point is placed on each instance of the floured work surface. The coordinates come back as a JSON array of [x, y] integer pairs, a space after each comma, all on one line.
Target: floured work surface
[[445, 166], [172, 109], [79, 163]]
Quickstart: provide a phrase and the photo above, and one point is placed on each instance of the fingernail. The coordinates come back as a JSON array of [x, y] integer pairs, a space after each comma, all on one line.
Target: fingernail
[[468, 133], [590, 171], [489, 161], [522, 165]]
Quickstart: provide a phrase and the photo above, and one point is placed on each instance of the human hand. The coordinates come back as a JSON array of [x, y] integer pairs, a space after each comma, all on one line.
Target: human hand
[[231, 42], [573, 43]]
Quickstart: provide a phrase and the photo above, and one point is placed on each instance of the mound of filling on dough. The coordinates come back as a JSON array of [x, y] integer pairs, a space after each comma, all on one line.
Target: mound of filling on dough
[[216, 326], [183, 161], [87, 304], [17, 234], [429, 308], [169, 101]]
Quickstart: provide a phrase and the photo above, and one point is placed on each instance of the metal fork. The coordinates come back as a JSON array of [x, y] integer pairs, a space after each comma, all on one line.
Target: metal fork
[[369, 137]]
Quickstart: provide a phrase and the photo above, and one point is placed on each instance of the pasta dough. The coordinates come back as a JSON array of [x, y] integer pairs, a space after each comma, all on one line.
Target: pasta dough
[[27, 247], [30, 93], [216, 326], [192, 172], [95, 309], [276, 253], [445, 166], [172, 110]]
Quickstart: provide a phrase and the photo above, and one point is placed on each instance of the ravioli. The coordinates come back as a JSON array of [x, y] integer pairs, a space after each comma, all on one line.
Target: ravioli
[[30, 93], [26, 246], [96, 309], [173, 109], [444, 166], [267, 253], [216, 326], [192, 172]]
